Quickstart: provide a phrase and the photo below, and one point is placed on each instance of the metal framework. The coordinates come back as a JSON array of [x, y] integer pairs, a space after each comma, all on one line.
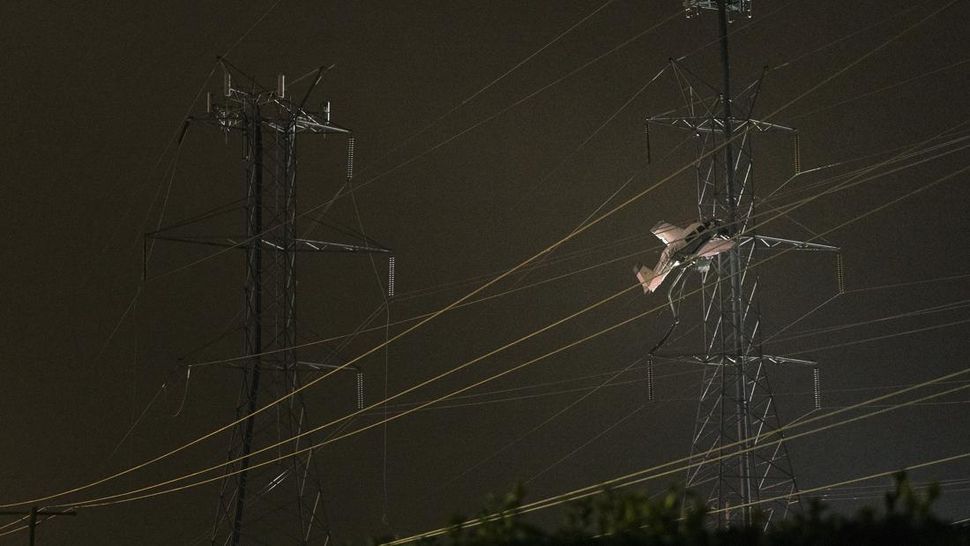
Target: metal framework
[[736, 405], [282, 502], [733, 7]]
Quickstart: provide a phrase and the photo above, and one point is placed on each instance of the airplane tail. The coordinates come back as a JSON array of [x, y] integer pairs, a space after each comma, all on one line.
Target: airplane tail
[[645, 275]]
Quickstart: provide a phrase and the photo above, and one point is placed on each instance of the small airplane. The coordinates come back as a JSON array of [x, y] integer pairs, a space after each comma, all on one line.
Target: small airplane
[[697, 241]]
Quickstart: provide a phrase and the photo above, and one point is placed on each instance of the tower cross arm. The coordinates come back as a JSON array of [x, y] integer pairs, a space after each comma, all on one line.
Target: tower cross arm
[[722, 359], [789, 244], [308, 245], [304, 122], [706, 124], [788, 360], [318, 123], [221, 118], [734, 7], [300, 245]]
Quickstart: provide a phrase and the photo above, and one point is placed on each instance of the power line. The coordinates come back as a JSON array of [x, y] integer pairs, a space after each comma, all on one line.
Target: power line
[[176, 138], [881, 89], [492, 83], [651, 473], [908, 314], [586, 394], [840, 39], [641, 478], [781, 211], [917, 190], [508, 272], [942, 460], [495, 376], [603, 263], [616, 482], [502, 111], [559, 392], [884, 337], [556, 351]]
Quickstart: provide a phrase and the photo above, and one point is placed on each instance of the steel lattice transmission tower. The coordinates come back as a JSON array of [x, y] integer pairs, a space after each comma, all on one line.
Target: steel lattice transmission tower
[[736, 404], [282, 502]]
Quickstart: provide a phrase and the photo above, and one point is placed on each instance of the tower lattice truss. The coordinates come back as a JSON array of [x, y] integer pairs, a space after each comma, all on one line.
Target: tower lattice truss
[[734, 7], [263, 500], [738, 456]]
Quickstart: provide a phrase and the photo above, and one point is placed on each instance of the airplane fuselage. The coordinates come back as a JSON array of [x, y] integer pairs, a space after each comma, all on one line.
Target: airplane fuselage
[[696, 235], [683, 246]]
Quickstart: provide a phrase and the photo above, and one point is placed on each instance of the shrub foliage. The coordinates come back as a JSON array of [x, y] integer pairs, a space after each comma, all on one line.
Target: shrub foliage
[[678, 519]]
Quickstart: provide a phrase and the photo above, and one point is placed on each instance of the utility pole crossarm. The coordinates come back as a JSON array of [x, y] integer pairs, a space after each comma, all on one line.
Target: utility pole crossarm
[[32, 515]]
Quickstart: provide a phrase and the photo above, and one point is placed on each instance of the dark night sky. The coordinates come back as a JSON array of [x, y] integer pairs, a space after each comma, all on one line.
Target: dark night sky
[[95, 94]]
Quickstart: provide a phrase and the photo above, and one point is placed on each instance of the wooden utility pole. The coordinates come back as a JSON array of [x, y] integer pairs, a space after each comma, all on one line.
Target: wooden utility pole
[[32, 518]]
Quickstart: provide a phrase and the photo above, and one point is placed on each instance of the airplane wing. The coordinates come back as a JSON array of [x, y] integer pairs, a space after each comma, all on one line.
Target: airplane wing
[[667, 232], [714, 247]]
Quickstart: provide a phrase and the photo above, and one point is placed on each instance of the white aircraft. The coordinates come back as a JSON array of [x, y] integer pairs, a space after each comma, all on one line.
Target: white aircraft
[[684, 246]]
